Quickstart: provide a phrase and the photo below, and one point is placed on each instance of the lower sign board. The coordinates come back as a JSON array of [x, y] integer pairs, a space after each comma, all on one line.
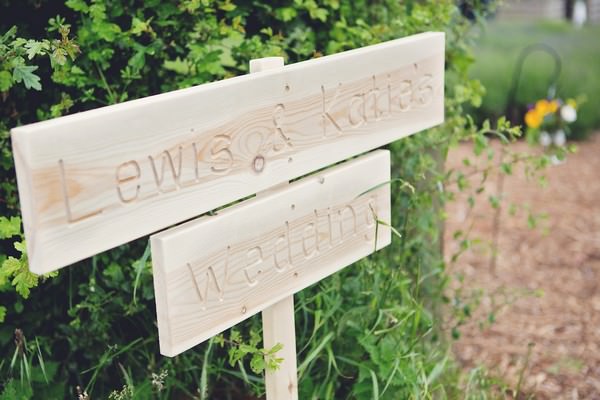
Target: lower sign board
[[216, 271]]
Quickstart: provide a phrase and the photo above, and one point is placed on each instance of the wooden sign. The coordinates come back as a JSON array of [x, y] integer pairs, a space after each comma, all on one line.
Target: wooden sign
[[212, 273], [97, 179]]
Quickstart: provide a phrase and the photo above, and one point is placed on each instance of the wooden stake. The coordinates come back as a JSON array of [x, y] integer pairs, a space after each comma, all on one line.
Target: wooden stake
[[278, 327], [278, 320]]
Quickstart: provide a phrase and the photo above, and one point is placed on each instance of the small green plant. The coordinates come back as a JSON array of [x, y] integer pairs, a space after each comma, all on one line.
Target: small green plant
[[13, 270], [261, 359]]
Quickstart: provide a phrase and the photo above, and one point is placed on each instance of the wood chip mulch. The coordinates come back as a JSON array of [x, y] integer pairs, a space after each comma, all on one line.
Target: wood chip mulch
[[550, 276]]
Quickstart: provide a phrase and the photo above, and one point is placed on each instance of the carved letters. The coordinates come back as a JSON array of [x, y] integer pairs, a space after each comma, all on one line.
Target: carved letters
[[387, 95], [284, 249]]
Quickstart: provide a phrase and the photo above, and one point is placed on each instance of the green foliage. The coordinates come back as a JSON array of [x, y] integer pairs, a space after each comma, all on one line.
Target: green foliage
[[9, 227], [14, 391], [261, 359], [374, 330], [13, 270], [17, 269], [578, 48], [15, 52]]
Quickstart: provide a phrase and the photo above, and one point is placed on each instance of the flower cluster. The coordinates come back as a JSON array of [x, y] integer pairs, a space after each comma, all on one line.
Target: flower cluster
[[547, 120], [549, 113]]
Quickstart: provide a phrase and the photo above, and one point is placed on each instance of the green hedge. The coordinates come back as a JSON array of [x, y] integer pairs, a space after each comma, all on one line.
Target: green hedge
[[500, 47], [371, 331]]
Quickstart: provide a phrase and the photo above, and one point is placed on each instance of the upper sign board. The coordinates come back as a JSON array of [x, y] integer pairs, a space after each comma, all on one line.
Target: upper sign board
[[100, 178], [215, 271]]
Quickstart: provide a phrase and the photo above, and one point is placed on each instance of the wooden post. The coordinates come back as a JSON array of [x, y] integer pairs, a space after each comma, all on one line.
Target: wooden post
[[278, 327], [278, 320]]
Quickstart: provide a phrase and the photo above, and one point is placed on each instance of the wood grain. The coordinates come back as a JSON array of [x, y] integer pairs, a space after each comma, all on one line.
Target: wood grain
[[279, 328], [278, 319], [212, 273], [97, 179]]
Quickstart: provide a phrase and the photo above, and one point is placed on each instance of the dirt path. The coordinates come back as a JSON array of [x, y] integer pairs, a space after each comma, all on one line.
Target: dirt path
[[563, 322]]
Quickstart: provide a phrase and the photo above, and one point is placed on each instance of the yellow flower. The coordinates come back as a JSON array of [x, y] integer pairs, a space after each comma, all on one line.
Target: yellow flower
[[534, 118], [542, 107], [553, 106]]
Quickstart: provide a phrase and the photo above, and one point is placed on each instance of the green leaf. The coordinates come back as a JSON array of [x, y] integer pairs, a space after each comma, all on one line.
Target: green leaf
[[34, 48], [138, 60], [273, 350], [257, 363], [138, 26], [227, 6], [2, 313], [107, 31], [8, 35], [480, 143], [5, 80], [24, 73], [58, 56], [319, 13], [506, 168], [18, 269], [21, 247], [24, 280], [494, 201], [9, 227], [178, 66], [246, 348], [286, 14], [10, 266], [77, 5], [10, 391], [235, 336]]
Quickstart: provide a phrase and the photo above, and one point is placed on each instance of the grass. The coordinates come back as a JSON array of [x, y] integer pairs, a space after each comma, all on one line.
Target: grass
[[497, 52]]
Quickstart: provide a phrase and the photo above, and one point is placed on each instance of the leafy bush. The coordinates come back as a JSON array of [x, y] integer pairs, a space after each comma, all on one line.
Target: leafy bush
[[497, 55], [370, 331]]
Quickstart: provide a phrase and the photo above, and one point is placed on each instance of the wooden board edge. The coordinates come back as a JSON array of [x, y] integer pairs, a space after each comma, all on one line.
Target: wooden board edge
[[36, 261], [160, 299]]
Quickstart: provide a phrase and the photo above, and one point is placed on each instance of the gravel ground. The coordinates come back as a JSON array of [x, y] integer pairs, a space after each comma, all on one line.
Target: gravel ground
[[551, 279]]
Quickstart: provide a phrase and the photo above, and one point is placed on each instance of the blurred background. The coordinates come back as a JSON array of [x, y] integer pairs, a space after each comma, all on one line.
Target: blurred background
[[539, 274], [552, 44]]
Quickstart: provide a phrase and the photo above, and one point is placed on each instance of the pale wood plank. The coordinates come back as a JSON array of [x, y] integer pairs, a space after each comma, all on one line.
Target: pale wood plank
[[216, 271], [278, 327], [278, 319], [97, 179]]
